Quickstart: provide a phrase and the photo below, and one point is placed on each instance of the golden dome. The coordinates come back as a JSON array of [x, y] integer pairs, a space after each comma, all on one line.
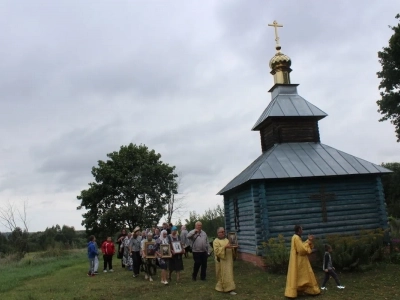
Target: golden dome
[[280, 63], [280, 60]]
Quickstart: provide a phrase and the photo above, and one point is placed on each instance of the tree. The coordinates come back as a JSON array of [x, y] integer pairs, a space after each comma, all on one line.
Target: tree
[[19, 241], [211, 220], [391, 187], [4, 245], [132, 188], [193, 218], [68, 235], [175, 205], [389, 58], [10, 216]]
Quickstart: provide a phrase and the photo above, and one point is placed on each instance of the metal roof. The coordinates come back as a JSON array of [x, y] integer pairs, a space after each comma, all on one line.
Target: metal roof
[[287, 103], [291, 160]]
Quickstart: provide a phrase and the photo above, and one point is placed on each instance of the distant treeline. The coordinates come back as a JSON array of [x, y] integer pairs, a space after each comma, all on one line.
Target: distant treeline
[[212, 219], [19, 241], [66, 237]]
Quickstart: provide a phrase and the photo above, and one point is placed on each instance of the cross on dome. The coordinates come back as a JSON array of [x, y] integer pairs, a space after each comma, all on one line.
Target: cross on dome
[[276, 25]]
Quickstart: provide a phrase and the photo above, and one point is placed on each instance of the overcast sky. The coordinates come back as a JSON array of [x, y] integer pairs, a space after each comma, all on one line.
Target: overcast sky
[[189, 79]]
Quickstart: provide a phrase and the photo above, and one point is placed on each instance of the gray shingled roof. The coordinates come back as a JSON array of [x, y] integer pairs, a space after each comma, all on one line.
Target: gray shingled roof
[[287, 103], [291, 160]]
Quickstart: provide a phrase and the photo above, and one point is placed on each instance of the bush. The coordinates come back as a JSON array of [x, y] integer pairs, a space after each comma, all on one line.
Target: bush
[[394, 251], [11, 258], [56, 250], [355, 252], [276, 255], [394, 227], [350, 252]]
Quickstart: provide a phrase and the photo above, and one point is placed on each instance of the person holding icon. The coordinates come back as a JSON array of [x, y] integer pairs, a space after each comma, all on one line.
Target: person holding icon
[[223, 252]]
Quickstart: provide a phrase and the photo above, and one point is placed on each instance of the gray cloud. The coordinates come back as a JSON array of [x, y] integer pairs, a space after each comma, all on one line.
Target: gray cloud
[[187, 79]]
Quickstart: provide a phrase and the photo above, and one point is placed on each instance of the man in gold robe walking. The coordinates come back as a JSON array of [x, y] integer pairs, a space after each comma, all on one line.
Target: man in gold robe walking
[[300, 276], [223, 252]]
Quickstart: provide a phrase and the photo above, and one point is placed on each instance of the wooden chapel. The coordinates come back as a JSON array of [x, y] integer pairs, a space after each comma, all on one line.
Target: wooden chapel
[[297, 179]]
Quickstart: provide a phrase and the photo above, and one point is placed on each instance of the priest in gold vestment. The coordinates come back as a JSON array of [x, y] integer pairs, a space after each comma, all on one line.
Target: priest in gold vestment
[[300, 276], [223, 252]]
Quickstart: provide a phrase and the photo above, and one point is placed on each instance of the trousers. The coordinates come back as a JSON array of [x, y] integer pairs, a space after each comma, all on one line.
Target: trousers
[[91, 265], [136, 261], [200, 261], [329, 274], [107, 261]]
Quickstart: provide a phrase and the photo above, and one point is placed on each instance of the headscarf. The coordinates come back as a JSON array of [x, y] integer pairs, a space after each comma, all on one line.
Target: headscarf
[[174, 231], [164, 240]]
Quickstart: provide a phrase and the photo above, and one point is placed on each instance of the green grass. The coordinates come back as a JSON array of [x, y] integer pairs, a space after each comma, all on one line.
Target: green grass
[[32, 266], [67, 279]]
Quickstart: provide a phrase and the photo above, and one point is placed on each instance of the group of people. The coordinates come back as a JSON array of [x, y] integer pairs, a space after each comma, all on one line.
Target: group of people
[[108, 250], [136, 257]]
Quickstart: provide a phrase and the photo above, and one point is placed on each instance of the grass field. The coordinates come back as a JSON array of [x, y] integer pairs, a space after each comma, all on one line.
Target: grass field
[[65, 278]]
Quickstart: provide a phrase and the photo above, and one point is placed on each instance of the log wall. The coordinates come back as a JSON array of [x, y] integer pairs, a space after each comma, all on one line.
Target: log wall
[[248, 217], [289, 130], [358, 204], [271, 207]]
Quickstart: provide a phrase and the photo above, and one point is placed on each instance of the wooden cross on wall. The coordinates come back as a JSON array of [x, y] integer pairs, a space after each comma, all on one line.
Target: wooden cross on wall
[[323, 197]]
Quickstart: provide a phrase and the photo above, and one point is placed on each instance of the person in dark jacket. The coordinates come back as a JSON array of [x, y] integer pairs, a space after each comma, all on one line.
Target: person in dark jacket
[[175, 262], [120, 243], [92, 253], [329, 269]]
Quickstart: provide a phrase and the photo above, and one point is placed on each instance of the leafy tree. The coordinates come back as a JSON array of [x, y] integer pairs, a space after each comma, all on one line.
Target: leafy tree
[[4, 246], [132, 188], [389, 57], [34, 244], [47, 239], [56, 236], [19, 240], [193, 218], [211, 220], [68, 235], [391, 186]]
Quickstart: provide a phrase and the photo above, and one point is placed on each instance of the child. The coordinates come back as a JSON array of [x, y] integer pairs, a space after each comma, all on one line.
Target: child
[[96, 261], [108, 250], [92, 253], [329, 269]]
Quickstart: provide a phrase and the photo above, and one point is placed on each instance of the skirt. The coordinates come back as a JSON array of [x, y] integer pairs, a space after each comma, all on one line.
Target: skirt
[[175, 263]]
